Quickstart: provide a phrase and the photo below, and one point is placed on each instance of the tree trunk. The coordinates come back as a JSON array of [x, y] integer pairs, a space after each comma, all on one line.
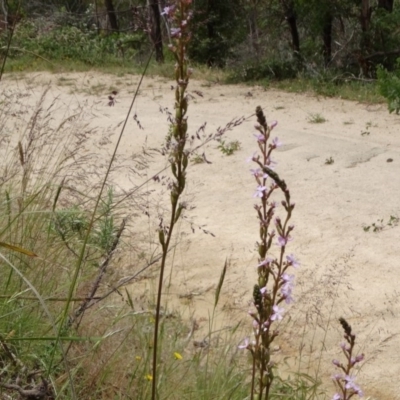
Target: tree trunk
[[155, 29], [365, 16], [327, 38], [365, 20], [365, 45], [112, 17], [291, 18], [386, 4], [253, 27]]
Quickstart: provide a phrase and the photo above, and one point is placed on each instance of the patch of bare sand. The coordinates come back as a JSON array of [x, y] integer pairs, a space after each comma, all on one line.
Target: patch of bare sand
[[345, 271]]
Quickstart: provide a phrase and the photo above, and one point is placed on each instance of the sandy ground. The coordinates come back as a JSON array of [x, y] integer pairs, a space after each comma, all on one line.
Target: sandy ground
[[345, 271]]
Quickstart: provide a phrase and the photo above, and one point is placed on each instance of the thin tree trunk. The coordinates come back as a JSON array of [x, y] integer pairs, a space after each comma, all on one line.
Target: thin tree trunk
[[327, 38], [365, 16], [155, 30], [365, 45], [112, 17], [291, 18], [254, 34]]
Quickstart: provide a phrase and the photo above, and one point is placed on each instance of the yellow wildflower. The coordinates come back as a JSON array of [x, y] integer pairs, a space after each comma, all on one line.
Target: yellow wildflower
[[177, 356]]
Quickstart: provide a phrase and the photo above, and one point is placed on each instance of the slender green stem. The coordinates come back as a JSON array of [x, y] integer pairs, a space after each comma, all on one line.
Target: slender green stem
[[175, 143], [158, 305]]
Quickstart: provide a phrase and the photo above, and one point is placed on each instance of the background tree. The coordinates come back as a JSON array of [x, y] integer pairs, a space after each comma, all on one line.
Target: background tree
[[155, 29], [218, 26], [112, 16], [291, 18]]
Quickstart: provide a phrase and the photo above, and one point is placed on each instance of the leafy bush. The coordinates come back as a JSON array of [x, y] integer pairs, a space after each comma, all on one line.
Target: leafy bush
[[276, 70], [217, 29], [389, 87], [70, 42]]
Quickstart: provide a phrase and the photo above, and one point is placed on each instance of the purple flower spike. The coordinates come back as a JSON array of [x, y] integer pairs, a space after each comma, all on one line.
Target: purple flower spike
[[287, 288], [355, 360], [257, 173], [337, 396], [175, 32], [245, 344], [350, 382], [260, 191], [168, 11], [254, 157], [276, 142], [270, 163], [273, 124], [263, 290], [288, 279], [260, 138], [282, 241], [278, 313], [265, 263], [291, 259]]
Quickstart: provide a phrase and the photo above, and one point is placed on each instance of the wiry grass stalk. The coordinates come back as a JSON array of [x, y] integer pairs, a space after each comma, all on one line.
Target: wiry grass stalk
[[79, 263], [175, 143], [216, 300]]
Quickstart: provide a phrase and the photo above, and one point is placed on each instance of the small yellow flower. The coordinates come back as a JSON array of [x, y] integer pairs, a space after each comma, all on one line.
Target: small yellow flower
[[149, 377], [177, 356], [138, 358]]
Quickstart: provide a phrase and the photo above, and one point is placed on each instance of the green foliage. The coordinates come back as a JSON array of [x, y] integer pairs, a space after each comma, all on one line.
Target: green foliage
[[217, 27], [297, 387], [197, 159], [384, 36], [74, 43], [105, 230], [380, 225], [71, 225], [389, 87], [316, 118], [229, 148], [271, 70]]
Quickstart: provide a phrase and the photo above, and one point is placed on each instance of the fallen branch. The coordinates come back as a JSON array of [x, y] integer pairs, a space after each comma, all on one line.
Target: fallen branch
[[37, 393], [96, 284]]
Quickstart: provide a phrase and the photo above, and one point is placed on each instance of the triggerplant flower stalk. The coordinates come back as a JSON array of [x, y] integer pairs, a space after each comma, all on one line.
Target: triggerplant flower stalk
[[274, 285], [345, 381]]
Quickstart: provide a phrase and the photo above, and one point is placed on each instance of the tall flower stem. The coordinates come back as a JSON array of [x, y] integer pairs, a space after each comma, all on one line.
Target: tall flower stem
[[274, 285], [345, 381], [179, 15]]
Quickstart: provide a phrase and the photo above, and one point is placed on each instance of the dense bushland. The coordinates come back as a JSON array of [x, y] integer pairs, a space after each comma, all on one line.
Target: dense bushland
[[329, 43]]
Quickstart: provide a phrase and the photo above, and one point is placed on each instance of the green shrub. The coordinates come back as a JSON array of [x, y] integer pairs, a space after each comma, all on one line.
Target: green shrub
[[274, 70], [70, 42], [389, 87], [217, 28]]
